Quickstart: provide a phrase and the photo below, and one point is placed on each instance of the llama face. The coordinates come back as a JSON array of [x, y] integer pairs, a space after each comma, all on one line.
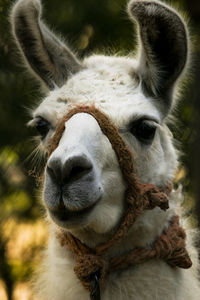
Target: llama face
[[83, 182], [92, 176]]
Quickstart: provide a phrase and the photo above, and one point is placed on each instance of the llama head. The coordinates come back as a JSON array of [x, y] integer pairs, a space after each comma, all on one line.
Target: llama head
[[83, 183]]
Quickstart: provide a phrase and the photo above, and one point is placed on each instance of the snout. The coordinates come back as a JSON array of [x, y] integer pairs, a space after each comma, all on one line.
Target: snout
[[72, 179], [72, 187]]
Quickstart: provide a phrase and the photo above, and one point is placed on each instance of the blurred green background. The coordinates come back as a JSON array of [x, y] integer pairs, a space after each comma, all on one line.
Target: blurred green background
[[100, 26]]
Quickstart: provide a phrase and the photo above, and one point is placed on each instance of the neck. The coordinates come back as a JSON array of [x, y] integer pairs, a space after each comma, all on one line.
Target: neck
[[60, 263]]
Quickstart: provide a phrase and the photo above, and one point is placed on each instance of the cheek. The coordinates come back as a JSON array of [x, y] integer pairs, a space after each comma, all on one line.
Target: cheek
[[157, 163], [148, 159]]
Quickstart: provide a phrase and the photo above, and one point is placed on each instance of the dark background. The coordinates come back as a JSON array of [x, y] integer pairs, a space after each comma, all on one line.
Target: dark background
[[100, 26]]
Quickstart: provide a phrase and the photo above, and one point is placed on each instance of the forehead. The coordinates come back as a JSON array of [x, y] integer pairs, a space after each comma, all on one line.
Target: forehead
[[109, 83]]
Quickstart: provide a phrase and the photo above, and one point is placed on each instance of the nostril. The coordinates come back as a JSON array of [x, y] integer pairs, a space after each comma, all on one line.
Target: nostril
[[54, 169], [77, 172], [75, 168], [54, 173]]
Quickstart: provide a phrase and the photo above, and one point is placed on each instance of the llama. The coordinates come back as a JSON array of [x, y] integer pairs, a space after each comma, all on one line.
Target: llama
[[84, 188]]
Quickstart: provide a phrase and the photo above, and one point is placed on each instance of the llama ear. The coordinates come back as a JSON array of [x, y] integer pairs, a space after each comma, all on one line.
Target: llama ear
[[47, 56], [163, 48]]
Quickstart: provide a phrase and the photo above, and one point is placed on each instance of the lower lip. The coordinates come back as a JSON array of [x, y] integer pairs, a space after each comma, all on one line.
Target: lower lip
[[65, 215]]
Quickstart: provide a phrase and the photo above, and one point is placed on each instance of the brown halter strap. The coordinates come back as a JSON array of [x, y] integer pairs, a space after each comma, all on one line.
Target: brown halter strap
[[170, 246]]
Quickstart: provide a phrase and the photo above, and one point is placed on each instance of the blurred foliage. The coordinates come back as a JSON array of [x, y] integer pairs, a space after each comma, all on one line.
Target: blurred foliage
[[89, 26]]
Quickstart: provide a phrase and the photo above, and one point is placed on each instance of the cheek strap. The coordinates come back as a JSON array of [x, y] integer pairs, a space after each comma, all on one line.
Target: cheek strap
[[93, 265]]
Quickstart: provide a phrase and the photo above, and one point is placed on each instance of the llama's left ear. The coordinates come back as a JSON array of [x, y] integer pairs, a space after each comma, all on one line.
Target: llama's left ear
[[163, 48]]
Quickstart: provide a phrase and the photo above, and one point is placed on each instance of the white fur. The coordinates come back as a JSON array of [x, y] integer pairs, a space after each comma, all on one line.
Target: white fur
[[108, 82], [156, 164]]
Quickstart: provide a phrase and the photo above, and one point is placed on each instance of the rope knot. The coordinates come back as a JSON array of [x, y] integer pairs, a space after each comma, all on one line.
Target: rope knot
[[87, 265], [170, 246], [154, 197]]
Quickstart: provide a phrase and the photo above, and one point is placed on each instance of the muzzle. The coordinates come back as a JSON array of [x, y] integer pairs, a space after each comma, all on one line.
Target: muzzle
[[93, 266]]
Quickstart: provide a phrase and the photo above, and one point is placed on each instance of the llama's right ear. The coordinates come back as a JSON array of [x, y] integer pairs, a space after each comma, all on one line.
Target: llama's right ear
[[163, 48], [47, 56]]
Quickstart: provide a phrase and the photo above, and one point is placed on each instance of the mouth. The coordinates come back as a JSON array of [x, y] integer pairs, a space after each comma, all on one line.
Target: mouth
[[64, 217]]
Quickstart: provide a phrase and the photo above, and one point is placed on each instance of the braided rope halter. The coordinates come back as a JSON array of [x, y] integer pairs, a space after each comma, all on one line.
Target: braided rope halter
[[92, 265]]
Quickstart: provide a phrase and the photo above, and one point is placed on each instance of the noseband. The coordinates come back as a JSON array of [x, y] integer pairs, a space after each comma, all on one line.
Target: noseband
[[93, 265]]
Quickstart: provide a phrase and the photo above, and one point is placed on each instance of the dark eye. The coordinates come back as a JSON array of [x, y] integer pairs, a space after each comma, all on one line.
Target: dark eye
[[42, 126], [144, 131]]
